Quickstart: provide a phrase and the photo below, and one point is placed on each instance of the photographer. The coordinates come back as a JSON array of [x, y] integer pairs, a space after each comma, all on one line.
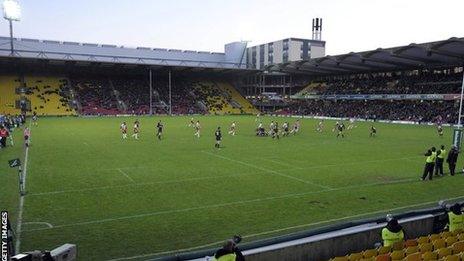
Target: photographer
[[230, 251]]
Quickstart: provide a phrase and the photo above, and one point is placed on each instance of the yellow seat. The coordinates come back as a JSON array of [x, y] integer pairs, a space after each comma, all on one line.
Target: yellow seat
[[452, 258], [451, 240], [398, 245], [422, 240], [460, 237], [445, 234], [429, 256], [384, 250], [414, 257], [457, 232], [384, 257], [370, 253], [411, 250], [442, 252], [410, 243], [367, 259], [439, 243], [355, 256], [397, 255], [458, 247], [426, 247], [340, 258], [434, 237]]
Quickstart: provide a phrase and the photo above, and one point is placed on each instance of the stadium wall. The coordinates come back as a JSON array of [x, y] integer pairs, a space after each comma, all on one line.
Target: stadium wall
[[333, 240]]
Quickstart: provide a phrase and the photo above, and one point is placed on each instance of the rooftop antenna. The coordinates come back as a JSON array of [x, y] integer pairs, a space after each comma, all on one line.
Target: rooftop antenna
[[317, 29]]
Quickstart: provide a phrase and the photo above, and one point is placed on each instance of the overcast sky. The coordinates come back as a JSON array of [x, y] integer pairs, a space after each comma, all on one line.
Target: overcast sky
[[206, 25]]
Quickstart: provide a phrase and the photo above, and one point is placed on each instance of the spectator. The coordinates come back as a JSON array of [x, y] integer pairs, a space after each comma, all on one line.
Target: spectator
[[229, 252], [393, 232]]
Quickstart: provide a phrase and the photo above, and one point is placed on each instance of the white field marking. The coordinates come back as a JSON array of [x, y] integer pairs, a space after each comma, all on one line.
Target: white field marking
[[268, 170], [21, 200], [39, 223], [353, 163], [241, 202], [277, 162], [281, 229], [138, 184], [125, 175]]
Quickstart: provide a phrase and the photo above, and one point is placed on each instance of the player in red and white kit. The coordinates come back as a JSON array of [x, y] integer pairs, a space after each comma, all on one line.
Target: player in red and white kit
[[123, 129], [136, 130]]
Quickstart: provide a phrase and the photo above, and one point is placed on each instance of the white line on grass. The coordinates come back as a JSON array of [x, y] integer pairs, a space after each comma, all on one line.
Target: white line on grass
[[354, 163], [21, 201], [283, 229], [138, 184], [125, 175], [277, 162], [38, 223], [267, 170], [241, 202]]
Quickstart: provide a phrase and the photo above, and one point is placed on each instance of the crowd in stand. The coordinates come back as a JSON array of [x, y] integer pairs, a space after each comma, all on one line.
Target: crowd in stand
[[443, 82], [7, 125], [103, 96], [418, 111]]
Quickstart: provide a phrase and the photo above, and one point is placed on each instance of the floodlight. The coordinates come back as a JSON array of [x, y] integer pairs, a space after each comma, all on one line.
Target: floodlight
[[11, 10]]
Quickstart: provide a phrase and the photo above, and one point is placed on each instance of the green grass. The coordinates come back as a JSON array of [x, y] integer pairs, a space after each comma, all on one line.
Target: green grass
[[116, 198]]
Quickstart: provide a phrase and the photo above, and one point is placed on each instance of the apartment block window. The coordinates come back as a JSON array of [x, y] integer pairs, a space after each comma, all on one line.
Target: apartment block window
[[270, 47], [285, 45]]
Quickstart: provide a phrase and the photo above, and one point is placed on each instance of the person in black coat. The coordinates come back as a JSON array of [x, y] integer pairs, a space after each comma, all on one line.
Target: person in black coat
[[452, 159]]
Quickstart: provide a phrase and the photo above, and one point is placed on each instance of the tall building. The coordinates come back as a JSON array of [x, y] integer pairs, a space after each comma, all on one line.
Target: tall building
[[286, 50]]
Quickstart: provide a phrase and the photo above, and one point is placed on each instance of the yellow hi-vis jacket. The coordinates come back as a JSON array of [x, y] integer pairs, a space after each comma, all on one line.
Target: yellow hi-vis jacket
[[455, 221], [389, 237], [431, 158], [228, 257], [442, 154]]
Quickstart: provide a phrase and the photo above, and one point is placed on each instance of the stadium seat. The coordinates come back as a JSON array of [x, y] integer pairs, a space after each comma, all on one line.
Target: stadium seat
[[340, 258], [426, 247], [384, 257], [445, 234], [442, 252], [458, 247], [452, 258], [434, 237], [439, 243], [412, 250], [414, 257], [451, 240], [460, 237], [370, 253], [355, 256], [429, 256], [384, 250], [397, 255], [398, 245], [410, 243], [457, 232], [422, 240]]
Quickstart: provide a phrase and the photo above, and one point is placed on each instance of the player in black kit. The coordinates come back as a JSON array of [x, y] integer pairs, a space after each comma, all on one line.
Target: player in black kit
[[341, 128], [218, 135], [160, 130], [373, 131]]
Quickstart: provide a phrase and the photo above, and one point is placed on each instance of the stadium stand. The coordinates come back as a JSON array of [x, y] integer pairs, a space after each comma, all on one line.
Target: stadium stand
[[442, 246], [8, 96], [47, 95], [407, 110], [96, 96]]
